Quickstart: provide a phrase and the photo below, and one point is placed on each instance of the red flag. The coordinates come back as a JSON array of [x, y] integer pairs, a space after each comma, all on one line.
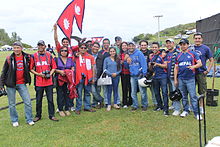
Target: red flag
[[97, 39], [75, 9]]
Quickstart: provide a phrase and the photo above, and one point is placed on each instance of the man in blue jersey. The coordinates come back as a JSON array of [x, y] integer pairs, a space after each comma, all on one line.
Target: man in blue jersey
[[138, 69], [171, 55], [160, 78], [184, 76], [204, 54]]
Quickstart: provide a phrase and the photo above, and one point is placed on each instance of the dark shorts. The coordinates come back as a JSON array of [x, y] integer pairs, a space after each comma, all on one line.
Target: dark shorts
[[202, 84]]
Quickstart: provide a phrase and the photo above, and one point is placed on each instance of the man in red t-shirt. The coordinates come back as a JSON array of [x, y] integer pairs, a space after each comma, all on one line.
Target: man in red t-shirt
[[43, 66], [15, 75]]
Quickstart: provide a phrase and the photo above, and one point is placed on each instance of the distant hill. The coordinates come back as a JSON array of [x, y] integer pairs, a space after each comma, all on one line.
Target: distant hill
[[168, 32], [179, 29]]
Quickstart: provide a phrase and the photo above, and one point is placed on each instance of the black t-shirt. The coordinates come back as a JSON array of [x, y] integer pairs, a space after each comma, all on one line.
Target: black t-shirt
[[147, 54]]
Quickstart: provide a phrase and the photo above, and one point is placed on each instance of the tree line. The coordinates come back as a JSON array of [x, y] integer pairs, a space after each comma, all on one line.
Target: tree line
[[6, 39]]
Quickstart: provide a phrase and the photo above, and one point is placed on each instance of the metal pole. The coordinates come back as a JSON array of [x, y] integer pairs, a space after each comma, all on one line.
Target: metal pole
[[158, 33]]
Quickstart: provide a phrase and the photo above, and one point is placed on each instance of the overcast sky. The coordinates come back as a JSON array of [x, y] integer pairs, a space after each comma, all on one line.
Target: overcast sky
[[33, 19]]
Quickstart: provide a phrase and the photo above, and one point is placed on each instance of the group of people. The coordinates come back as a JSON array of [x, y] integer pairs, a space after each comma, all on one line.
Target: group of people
[[76, 70]]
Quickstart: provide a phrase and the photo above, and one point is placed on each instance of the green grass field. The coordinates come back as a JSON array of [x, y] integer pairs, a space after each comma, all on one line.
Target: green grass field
[[120, 128]]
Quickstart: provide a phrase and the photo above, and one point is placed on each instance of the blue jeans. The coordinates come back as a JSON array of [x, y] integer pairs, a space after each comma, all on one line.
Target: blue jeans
[[87, 97], [176, 104], [105, 92], [23, 92], [113, 87], [96, 90], [106, 97], [161, 84], [154, 100], [143, 91], [189, 87]]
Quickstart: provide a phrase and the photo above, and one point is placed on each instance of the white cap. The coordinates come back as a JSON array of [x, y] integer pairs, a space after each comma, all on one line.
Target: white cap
[[170, 39]]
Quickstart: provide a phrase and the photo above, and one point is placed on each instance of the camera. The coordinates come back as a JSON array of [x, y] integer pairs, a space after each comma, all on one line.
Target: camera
[[2, 92], [152, 63], [47, 74]]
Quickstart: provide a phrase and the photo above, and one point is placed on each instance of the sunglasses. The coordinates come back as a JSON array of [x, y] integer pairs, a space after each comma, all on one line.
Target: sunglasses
[[63, 51], [83, 48]]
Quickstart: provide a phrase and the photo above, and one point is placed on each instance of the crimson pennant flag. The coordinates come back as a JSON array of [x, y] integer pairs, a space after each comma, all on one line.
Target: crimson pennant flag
[[74, 10], [97, 39]]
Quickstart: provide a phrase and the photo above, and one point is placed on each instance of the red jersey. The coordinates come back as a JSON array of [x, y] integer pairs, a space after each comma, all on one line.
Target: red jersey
[[125, 66], [20, 70], [71, 49], [84, 68], [42, 63]]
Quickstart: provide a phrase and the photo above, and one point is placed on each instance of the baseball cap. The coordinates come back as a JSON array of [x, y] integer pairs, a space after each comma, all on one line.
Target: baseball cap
[[184, 41], [41, 42], [17, 43], [117, 38], [131, 43], [170, 39]]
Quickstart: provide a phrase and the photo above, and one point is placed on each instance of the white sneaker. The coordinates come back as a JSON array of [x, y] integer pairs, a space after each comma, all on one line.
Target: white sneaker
[[15, 124], [125, 106], [184, 114], [31, 123], [72, 109], [171, 107], [176, 113], [116, 106], [197, 117], [108, 108]]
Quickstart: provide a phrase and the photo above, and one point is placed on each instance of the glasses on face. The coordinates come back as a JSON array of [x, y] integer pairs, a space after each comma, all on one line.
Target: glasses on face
[[63, 51], [83, 48], [96, 46]]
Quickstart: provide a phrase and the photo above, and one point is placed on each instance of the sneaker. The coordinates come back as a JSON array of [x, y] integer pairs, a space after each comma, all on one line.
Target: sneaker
[[72, 109], [15, 124], [67, 113], [125, 106], [166, 113], [31, 123], [176, 113], [116, 106], [171, 107], [100, 105], [157, 109], [108, 108], [184, 114], [133, 109], [197, 117], [62, 114]]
